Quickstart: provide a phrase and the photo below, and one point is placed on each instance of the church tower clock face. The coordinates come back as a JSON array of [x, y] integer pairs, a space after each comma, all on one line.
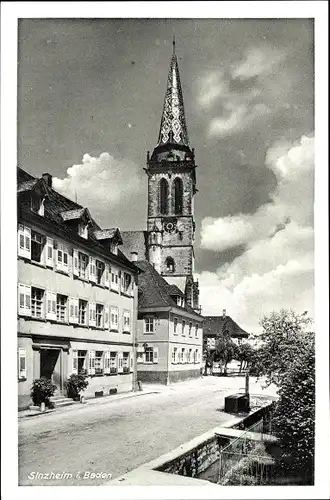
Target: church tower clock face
[[170, 226], [171, 187]]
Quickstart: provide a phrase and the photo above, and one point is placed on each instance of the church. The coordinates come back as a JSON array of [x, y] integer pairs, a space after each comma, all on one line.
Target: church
[[168, 242], [164, 252]]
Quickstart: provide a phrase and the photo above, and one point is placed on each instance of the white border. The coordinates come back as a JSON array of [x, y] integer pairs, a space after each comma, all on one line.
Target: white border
[[11, 11]]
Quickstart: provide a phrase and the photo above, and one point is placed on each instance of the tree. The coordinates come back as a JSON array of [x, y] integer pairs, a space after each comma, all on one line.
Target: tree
[[295, 413], [225, 351], [283, 337], [245, 355], [209, 359], [286, 357]]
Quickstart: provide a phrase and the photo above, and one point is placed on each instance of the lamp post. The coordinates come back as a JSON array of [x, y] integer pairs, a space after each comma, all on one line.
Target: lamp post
[[247, 392]]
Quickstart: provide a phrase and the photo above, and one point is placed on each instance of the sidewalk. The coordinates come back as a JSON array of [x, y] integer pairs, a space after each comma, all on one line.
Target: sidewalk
[[77, 406], [198, 386]]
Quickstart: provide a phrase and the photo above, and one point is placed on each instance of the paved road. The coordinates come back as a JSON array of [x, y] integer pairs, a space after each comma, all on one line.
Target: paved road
[[115, 437]]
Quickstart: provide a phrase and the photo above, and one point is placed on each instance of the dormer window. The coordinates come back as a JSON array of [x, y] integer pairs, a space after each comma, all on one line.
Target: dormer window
[[113, 247], [37, 205], [83, 230], [180, 301], [169, 264]]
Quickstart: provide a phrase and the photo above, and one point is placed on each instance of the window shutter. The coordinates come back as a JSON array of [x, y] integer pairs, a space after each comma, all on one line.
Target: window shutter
[[173, 355], [51, 305], [92, 314], [24, 241], [59, 255], [21, 363], [75, 362], [91, 363], [49, 252], [76, 310], [75, 262], [106, 276], [120, 362], [73, 310], [107, 362], [27, 237], [21, 241], [139, 357], [155, 354], [92, 269], [24, 300], [106, 317]]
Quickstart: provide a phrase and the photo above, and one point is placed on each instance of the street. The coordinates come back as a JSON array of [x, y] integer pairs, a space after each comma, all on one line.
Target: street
[[114, 437]]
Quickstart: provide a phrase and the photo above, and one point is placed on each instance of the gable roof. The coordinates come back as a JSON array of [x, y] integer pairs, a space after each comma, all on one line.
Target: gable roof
[[216, 325], [174, 290], [154, 291], [55, 205]]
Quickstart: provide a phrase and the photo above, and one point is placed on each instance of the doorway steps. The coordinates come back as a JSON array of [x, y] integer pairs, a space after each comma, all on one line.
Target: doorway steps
[[60, 401]]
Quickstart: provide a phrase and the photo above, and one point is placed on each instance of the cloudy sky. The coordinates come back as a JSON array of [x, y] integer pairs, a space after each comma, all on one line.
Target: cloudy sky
[[90, 97]]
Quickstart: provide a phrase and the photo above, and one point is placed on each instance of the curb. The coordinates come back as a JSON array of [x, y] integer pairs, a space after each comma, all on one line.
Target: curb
[[81, 406]]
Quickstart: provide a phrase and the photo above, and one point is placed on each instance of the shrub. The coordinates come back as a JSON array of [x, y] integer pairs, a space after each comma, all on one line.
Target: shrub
[[42, 390], [76, 384]]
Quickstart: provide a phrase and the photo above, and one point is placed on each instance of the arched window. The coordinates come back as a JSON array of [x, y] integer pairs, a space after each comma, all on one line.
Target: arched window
[[163, 197], [169, 264], [178, 195]]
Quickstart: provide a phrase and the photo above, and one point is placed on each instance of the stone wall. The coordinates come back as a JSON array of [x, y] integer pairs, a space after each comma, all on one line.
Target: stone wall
[[197, 460]]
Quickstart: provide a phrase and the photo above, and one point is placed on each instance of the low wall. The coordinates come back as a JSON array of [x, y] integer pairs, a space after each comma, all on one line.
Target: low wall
[[164, 377], [196, 460], [204, 451]]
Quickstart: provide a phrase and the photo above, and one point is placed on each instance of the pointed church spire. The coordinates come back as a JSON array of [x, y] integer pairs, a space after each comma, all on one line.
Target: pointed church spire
[[173, 129]]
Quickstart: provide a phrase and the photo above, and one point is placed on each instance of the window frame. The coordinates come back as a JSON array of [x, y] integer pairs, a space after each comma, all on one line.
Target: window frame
[[35, 301], [59, 308], [82, 302], [99, 315], [41, 246], [114, 326], [22, 372], [148, 322]]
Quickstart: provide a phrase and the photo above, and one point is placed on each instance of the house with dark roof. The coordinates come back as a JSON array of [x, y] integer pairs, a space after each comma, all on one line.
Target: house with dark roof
[[169, 330], [216, 326], [77, 295]]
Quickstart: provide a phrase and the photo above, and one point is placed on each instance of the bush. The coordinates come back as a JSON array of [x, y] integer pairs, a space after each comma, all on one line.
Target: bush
[[42, 390], [76, 384]]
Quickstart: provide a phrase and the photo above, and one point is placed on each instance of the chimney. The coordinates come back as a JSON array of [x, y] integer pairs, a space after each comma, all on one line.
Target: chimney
[[224, 313], [134, 256], [48, 178]]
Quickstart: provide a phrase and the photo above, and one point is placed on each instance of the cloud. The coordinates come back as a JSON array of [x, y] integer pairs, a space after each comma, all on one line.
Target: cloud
[[245, 93], [257, 62], [100, 183], [276, 268]]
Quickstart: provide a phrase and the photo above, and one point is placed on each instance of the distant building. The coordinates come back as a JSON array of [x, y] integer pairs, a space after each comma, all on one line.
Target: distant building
[[170, 334], [77, 294], [215, 326], [168, 241]]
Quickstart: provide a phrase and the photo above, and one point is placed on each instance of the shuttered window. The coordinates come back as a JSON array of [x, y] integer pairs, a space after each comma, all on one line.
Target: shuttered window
[[24, 300], [24, 241], [21, 363]]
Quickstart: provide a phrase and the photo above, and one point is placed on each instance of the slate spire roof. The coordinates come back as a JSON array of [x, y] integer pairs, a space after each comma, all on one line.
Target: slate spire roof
[[173, 129]]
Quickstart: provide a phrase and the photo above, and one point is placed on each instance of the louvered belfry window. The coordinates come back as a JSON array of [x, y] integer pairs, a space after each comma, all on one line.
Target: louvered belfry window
[[163, 197]]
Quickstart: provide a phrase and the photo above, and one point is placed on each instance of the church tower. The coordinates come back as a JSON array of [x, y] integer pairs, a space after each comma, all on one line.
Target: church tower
[[171, 189]]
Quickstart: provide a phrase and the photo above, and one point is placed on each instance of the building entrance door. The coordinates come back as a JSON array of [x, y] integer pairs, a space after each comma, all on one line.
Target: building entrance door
[[50, 366]]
